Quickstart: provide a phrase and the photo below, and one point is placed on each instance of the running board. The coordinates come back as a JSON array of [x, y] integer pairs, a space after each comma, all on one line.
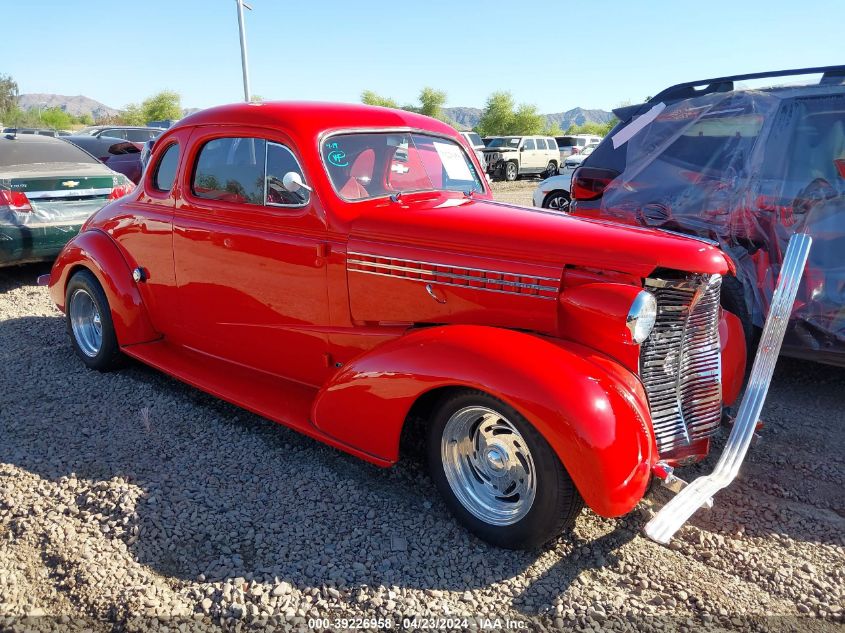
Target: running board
[[682, 506]]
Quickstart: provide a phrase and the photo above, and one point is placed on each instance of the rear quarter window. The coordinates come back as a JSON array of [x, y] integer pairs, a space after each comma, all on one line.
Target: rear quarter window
[[165, 169]]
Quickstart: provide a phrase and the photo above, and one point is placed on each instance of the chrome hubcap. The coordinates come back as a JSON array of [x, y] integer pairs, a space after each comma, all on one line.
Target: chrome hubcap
[[488, 465], [85, 322]]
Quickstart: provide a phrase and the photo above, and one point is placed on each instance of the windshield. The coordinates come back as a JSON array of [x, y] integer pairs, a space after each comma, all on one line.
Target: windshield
[[90, 130], [505, 141], [370, 165], [475, 139]]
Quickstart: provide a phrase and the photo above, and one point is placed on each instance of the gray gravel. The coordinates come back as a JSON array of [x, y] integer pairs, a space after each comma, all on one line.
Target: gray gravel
[[128, 496]]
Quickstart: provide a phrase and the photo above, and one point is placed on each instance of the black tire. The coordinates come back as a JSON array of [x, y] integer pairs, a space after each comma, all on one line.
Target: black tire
[[551, 170], [557, 200], [511, 171], [107, 356], [556, 502], [733, 300]]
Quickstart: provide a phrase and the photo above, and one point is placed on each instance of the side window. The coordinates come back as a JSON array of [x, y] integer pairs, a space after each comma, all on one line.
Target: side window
[[541, 143], [231, 170], [280, 160], [528, 143], [165, 170], [551, 143], [114, 133]]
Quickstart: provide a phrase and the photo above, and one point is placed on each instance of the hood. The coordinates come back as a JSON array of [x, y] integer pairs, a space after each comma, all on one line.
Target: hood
[[499, 149], [449, 223]]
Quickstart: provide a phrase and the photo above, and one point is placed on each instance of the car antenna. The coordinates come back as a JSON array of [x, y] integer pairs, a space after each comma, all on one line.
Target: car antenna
[[396, 197]]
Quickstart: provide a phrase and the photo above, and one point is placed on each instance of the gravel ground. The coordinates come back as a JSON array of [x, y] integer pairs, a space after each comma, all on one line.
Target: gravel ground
[[130, 501]]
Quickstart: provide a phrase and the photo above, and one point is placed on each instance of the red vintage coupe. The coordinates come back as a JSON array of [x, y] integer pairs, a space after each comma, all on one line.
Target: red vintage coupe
[[343, 270]]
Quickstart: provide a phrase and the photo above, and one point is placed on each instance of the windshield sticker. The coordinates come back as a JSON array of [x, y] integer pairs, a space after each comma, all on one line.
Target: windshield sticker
[[453, 161], [336, 156], [637, 125]]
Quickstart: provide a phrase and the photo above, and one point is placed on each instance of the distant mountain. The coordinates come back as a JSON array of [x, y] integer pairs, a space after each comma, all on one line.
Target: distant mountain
[[72, 105], [467, 118]]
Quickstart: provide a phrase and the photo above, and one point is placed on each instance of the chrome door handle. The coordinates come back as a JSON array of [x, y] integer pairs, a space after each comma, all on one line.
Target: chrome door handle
[[433, 294]]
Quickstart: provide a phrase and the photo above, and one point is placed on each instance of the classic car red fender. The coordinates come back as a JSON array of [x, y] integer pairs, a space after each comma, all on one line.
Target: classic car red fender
[[592, 411], [94, 250]]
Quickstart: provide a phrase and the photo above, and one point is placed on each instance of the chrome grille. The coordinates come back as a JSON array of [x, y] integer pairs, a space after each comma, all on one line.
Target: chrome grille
[[680, 362]]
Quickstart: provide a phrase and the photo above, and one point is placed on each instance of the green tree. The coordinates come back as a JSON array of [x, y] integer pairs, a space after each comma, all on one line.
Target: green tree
[[8, 96], [132, 115], [599, 129], [498, 114], [552, 129], [432, 102], [256, 98], [167, 104], [56, 118], [526, 120], [371, 98], [85, 119]]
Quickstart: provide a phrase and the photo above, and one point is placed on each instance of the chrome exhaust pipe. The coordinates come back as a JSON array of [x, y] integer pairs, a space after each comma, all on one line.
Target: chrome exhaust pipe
[[682, 506]]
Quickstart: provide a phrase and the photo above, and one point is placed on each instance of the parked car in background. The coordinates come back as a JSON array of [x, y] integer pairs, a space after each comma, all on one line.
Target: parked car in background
[[122, 156], [509, 157], [746, 169], [135, 134], [37, 131], [573, 144], [475, 142], [48, 188], [343, 270], [553, 192], [576, 159]]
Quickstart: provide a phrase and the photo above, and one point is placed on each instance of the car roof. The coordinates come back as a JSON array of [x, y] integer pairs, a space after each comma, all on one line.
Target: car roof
[[311, 118], [30, 138]]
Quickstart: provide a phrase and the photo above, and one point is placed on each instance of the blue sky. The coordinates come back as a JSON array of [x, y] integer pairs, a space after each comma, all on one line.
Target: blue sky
[[555, 55]]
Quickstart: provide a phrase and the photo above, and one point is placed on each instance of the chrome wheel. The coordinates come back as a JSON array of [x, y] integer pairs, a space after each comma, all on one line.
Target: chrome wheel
[[510, 171], [488, 465], [558, 202], [85, 322]]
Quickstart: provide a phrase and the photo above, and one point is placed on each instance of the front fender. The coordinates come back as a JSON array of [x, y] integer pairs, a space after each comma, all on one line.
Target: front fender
[[591, 410], [97, 252]]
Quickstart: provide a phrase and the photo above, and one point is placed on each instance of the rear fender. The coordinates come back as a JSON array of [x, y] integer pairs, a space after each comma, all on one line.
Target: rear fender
[[591, 410], [96, 252]]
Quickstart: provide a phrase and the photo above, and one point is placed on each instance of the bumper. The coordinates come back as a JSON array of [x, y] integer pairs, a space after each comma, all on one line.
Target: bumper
[[670, 519], [21, 244]]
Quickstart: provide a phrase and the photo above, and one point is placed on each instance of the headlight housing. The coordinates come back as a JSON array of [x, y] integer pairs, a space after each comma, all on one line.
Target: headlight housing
[[642, 316]]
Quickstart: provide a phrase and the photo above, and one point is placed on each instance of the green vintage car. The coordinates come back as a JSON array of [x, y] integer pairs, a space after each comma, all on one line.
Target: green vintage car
[[48, 188]]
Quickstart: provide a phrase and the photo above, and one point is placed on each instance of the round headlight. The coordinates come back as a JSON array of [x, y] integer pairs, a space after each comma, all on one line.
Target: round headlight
[[641, 316]]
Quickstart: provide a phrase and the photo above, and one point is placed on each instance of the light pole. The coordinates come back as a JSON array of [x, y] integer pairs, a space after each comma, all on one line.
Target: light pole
[[241, 4]]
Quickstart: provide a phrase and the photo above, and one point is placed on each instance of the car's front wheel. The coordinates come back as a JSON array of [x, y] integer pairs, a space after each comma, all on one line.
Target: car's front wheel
[[557, 201], [497, 474], [511, 171], [89, 322]]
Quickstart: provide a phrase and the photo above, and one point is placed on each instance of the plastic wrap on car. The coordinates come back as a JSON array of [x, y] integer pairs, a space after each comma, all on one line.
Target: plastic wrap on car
[[749, 169], [52, 212]]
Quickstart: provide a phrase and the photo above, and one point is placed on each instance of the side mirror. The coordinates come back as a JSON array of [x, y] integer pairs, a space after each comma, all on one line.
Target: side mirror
[[292, 182], [522, 149]]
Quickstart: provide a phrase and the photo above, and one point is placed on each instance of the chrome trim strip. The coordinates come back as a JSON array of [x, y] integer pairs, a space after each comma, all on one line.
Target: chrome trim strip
[[446, 283], [434, 273], [67, 193], [441, 264], [680, 508]]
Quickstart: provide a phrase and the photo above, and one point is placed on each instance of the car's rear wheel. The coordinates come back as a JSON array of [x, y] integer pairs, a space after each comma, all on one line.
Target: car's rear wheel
[[557, 201], [511, 171], [89, 322], [497, 474]]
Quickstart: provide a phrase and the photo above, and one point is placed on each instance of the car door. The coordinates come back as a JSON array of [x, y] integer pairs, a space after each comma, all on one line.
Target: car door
[[528, 155], [145, 232], [249, 256]]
